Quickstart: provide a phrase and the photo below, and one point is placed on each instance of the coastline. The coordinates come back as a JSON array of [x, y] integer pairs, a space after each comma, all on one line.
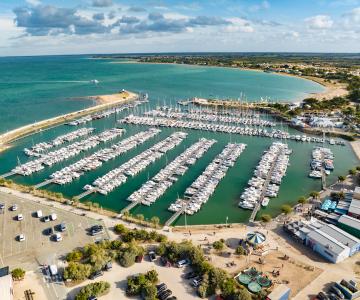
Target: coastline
[[331, 89], [103, 102], [356, 148]]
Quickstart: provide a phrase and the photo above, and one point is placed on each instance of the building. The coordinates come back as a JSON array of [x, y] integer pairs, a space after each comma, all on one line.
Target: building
[[6, 284], [333, 243], [330, 241], [281, 292], [354, 208], [350, 225]]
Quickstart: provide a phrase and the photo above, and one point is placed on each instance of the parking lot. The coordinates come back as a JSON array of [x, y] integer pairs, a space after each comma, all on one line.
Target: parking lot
[[39, 246]]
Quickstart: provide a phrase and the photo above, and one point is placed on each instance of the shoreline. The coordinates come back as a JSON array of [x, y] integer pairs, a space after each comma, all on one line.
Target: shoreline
[[331, 89], [103, 102], [356, 148]]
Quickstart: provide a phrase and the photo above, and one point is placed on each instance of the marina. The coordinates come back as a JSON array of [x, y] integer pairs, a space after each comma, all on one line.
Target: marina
[[157, 185], [222, 128], [322, 161], [64, 153], [199, 192], [267, 178], [77, 169], [135, 165]]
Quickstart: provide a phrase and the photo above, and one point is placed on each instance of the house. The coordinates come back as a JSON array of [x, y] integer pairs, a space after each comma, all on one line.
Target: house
[[354, 208]]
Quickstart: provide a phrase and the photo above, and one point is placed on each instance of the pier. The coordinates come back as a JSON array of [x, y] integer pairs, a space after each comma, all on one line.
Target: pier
[[263, 191], [8, 174], [44, 183], [130, 206], [86, 193], [174, 217]]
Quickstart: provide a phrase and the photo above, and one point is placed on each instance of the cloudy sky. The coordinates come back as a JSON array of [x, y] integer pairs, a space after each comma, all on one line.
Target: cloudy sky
[[36, 27]]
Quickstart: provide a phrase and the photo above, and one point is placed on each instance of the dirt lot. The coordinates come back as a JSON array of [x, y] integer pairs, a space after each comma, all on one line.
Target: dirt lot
[[290, 270], [172, 277]]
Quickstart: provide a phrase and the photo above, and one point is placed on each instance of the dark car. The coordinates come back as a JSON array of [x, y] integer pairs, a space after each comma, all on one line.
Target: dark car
[[165, 295], [48, 231], [322, 296], [161, 288], [2, 205], [45, 219], [152, 255], [92, 298], [96, 229], [190, 275], [108, 266], [333, 297], [172, 298], [96, 275], [337, 292]]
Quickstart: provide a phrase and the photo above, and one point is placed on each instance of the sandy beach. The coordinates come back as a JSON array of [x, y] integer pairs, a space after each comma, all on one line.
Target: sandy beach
[[356, 147], [104, 102]]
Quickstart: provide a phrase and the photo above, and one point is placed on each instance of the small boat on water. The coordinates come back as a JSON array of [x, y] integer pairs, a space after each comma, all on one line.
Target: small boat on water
[[94, 81], [265, 202]]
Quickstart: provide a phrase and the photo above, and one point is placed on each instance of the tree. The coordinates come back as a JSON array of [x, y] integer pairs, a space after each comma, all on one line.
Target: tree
[[77, 271], [240, 250], [242, 295], [149, 292], [352, 171], [93, 289], [120, 229], [286, 209], [140, 217], [341, 178], [75, 255], [155, 220], [302, 200], [218, 245], [152, 276], [314, 194], [18, 274], [265, 218]]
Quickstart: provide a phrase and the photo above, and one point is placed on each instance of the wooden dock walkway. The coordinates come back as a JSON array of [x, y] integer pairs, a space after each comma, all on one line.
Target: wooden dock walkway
[[8, 174], [262, 195], [174, 217], [41, 184], [86, 193], [130, 206]]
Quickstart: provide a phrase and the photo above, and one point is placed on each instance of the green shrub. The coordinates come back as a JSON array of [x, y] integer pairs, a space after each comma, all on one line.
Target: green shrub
[[265, 218], [93, 289], [240, 250], [218, 245], [286, 209], [75, 255], [18, 274], [77, 271]]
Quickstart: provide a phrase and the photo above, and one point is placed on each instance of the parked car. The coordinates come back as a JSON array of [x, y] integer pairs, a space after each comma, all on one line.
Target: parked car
[[14, 207], [53, 217], [39, 214], [161, 288], [21, 237], [96, 275], [57, 237], [62, 226], [2, 206], [19, 217], [48, 231], [152, 255], [322, 296], [196, 281], [92, 298], [190, 275], [108, 266], [182, 263], [337, 292], [96, 229], [165, 295], [46, 219]]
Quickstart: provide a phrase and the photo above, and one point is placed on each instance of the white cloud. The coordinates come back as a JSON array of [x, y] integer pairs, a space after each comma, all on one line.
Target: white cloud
[[238, 25], [319, 22], [33, 2]]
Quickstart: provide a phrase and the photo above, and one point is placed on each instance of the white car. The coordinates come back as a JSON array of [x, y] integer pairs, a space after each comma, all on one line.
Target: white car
[[57, 237], [53, 217], [21, 237], [14, 207], [20, 217]]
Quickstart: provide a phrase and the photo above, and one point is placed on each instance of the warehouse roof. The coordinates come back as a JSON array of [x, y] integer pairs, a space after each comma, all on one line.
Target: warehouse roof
[[350, 221], [340, 235]]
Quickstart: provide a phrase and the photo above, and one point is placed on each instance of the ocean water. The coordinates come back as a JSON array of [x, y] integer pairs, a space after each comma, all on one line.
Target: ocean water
[[38, 88]]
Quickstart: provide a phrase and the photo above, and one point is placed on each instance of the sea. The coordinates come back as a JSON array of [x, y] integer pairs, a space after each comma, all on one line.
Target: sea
[[37, 88]]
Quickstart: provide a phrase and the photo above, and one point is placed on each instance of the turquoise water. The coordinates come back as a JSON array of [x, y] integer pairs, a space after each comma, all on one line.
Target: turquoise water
[[36, 88], [28, 96]]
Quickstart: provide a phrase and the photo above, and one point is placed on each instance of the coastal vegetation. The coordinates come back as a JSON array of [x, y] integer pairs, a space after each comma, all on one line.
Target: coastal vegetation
[[143, 284], [18, 274], [96, 289]]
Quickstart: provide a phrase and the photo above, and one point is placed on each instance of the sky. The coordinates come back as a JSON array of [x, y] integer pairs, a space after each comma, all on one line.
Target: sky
[[48, 27]]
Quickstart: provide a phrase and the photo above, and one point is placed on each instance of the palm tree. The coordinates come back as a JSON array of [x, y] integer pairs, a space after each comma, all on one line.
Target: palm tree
[[155, 220]]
